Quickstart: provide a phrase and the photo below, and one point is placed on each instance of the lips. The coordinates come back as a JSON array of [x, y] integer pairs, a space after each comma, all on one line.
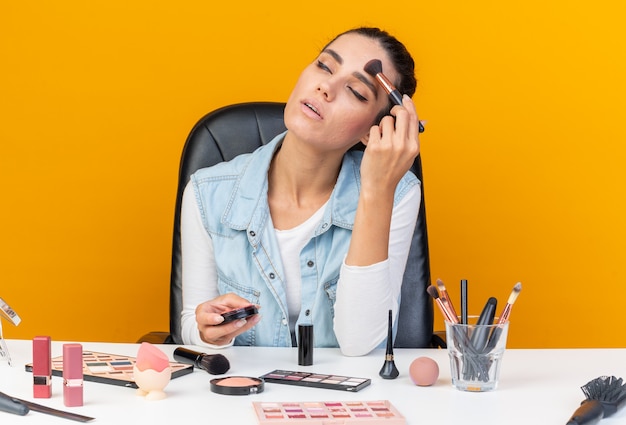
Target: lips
[[312, 108]]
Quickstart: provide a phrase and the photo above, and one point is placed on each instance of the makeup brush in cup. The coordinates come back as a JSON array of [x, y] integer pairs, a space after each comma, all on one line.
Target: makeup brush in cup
[[445, 297], [375, 69], [215, 364], [605, 396], [464, 302], [504, 317], [389, 369], [447, 314]]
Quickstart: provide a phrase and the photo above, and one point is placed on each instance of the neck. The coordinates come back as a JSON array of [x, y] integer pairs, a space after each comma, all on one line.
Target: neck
[[300, 182], [303, 174]]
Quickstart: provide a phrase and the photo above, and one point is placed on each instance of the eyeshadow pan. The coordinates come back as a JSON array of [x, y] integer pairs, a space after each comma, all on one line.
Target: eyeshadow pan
[[336, 412], [317, 380]]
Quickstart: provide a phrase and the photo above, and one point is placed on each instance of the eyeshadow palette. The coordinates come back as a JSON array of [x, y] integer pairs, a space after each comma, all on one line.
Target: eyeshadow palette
[[329, 412], [110, 368], [318, 380]]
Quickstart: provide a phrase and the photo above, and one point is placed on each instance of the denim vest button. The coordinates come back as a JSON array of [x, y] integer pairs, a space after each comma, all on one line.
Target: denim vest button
[[252, 233], [272, 275], [310, 263], [307, 312], [284, 321], [325, 225]]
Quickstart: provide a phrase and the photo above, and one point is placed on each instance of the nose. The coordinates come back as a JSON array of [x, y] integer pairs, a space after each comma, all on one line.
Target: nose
[[326, 89]]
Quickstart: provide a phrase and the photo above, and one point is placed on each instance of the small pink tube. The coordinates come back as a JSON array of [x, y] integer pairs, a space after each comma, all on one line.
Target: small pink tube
[[72, 375]]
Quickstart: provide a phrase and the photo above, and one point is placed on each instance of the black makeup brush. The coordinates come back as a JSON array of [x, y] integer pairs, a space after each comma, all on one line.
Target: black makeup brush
[[389, 369], [375, 69], [215, 364], [605, 396], [12, 405]]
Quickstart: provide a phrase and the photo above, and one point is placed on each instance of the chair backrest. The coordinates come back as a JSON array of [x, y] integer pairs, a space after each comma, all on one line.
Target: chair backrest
[[232, 130]]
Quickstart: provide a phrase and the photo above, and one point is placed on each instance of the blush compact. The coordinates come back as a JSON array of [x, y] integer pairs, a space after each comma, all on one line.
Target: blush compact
[[240, 313], [237, 385]]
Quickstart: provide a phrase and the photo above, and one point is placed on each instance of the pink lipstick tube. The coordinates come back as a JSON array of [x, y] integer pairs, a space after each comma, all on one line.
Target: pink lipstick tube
[[72, 375], [42, 367]]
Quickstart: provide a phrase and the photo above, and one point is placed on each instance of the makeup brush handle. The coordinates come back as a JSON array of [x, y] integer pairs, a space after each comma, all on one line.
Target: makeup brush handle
[[11, 405], [396, 97], [590, 412], [480, 336]]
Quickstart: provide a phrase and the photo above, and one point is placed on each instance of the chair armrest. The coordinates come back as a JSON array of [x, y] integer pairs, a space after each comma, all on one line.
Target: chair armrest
[[156, 338]]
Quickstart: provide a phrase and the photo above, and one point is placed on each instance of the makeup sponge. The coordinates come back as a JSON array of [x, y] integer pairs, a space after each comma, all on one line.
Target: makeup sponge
[[150, 357], [424, 371]]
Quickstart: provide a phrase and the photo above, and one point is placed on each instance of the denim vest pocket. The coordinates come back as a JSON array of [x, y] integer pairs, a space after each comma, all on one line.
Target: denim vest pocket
[[225, 286]]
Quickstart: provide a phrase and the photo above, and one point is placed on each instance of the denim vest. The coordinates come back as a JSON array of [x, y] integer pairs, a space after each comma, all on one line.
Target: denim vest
[[232, 198]]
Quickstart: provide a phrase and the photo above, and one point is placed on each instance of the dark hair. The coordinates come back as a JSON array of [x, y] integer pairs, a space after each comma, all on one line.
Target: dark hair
[[398, 54]]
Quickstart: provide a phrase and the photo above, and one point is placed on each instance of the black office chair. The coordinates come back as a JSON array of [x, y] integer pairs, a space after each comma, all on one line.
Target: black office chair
[[241, 128]]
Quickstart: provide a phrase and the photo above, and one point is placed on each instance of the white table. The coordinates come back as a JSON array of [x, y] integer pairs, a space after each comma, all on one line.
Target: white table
[[536, 386]]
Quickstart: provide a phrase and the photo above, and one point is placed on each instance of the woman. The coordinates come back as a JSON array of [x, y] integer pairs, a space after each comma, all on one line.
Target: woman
[[304, 227]]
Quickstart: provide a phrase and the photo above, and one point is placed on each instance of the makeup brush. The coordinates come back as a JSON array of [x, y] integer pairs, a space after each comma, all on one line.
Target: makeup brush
[[480, 336], [12, 405], [504, 317], [375, 69], [464, 309], [443, 293], [605, 396], [447, 315], [389, 369], [215, 364], [472, 367]]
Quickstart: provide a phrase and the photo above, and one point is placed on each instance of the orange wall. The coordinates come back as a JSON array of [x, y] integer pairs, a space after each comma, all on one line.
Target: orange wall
[[524, 151]]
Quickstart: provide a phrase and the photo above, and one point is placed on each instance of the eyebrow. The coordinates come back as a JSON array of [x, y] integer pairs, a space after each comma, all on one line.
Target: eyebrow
[[358, 75]]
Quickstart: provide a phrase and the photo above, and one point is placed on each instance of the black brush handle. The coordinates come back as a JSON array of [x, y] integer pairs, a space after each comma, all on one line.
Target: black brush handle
[[590, 412], [396, 98], [12, 405], [480, 336], [185, 355]]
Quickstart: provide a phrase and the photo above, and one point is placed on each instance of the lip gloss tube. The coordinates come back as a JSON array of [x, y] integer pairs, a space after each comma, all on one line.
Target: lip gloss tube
[[42, 367], [72, 375]]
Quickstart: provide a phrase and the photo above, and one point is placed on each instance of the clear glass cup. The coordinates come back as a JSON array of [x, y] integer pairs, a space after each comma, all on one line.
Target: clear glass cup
[[476, 353]]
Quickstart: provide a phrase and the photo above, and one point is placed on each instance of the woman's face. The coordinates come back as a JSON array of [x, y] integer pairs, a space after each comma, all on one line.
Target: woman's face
[[335, 102]]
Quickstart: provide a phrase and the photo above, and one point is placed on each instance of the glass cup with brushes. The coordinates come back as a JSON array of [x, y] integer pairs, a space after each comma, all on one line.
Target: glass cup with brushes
[[476, 345]]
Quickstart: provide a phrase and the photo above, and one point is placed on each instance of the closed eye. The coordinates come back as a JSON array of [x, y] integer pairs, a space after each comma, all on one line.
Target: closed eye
[[323, 66], [358, 95]]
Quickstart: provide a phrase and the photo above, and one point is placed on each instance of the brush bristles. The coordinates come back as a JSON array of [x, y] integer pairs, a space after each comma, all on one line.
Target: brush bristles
[[516, 290], [432, 291], [605, 388], [441, 285], [373, 67], [215, 364]]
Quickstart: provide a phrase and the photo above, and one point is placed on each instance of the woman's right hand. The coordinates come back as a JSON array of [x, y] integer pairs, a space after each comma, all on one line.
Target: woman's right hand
[[209, 319]]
